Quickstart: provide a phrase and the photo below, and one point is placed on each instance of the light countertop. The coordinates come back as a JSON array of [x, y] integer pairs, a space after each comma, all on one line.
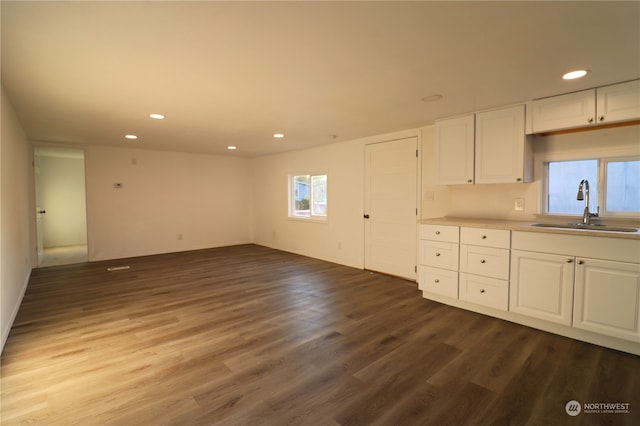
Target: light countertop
[[514, 225]]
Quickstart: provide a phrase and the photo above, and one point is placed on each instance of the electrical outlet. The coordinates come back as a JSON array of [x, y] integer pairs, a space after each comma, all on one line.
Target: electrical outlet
[[518, 204]]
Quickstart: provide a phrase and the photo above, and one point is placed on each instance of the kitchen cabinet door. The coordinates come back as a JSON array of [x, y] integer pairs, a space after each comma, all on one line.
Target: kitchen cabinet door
[[607, 298], [500, 146], [564, 112], [455, 141], [618, 102], [542, 286]]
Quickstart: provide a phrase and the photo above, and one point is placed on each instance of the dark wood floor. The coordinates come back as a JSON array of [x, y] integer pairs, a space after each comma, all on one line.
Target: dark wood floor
[[247, 335]]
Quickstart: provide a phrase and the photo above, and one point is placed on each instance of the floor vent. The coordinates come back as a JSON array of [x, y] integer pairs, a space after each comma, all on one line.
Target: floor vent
[[117, 268]]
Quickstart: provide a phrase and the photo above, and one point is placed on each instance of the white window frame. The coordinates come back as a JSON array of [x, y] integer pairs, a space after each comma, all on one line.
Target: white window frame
[[601, 184], [291, 193]]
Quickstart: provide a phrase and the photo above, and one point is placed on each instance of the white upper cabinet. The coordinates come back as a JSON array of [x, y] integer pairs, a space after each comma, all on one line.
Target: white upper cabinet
[[487, 147], [500, 146], [609, 104], [619, 102], [564, 111], [455, 140]]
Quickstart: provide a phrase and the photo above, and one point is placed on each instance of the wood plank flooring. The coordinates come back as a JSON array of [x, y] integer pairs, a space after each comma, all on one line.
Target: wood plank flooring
[[247, 335]]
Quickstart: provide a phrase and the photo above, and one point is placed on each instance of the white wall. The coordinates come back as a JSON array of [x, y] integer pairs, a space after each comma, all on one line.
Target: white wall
[[16, 214], [168, 202], [341, 238], [61, 191]]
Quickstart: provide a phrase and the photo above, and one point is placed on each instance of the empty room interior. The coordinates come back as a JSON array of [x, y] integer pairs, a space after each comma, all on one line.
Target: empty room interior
[[320, 213]]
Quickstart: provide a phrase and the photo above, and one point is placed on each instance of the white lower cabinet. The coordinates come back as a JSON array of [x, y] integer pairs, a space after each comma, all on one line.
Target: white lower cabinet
[[542, 285], [484, 267], [607, 298], [589, 283], [438, 253], [580, 286]]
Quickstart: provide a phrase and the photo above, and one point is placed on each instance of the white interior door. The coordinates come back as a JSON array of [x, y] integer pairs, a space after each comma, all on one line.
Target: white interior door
[[391, 207], [39, 213]]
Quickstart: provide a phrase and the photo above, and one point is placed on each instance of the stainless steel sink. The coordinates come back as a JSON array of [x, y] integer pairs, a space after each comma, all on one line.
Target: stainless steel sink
[[592, 227]]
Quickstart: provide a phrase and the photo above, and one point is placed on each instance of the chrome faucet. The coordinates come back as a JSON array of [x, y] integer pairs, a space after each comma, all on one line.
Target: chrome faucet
[[587, 215]]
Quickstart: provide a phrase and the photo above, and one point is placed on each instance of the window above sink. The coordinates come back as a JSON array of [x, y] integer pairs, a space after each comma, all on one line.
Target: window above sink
[[615, 186]]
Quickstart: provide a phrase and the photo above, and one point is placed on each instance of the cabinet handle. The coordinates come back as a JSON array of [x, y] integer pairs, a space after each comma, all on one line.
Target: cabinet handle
[[483, 261], [590, 120], [436, 281], [580, 262], [437, 254], [601, 118], [482, 291], [569, 260]]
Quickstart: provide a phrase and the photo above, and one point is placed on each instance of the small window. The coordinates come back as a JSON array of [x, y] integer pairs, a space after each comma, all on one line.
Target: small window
[[308, 196], [614, 186]]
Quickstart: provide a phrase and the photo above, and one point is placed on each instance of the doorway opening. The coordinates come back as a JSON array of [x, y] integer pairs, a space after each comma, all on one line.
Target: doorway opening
[[61, 213]]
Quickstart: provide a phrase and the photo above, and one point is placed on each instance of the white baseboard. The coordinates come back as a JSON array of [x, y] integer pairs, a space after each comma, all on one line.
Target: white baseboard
[[7, 327]]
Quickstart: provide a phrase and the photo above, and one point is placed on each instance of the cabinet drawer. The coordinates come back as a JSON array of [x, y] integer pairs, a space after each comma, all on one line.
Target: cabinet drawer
[[499, 238], [484, 291], [439, 281], [450, 234], [486, 261], [439, 255]]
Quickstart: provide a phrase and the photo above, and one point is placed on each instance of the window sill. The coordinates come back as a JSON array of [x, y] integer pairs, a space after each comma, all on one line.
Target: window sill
[[308, 219]]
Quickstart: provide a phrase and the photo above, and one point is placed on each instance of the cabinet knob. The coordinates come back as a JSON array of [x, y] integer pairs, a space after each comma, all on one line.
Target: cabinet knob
[[436, 281], [590, 120], [518, 179], [469, 181], [437, 232], [580, 262], [569, 260], [482, 291], [484, 237], [483, 261], [437, 254], [601, 118]]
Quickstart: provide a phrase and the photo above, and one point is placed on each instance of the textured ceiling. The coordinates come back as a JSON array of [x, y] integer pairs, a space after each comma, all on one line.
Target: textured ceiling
[[234, 73]]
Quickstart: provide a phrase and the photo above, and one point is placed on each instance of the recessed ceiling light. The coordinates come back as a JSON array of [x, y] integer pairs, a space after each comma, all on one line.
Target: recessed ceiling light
[[232, 148], [278, 135], [432, 98], [572, 75], [157, 116], [132, 137]]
